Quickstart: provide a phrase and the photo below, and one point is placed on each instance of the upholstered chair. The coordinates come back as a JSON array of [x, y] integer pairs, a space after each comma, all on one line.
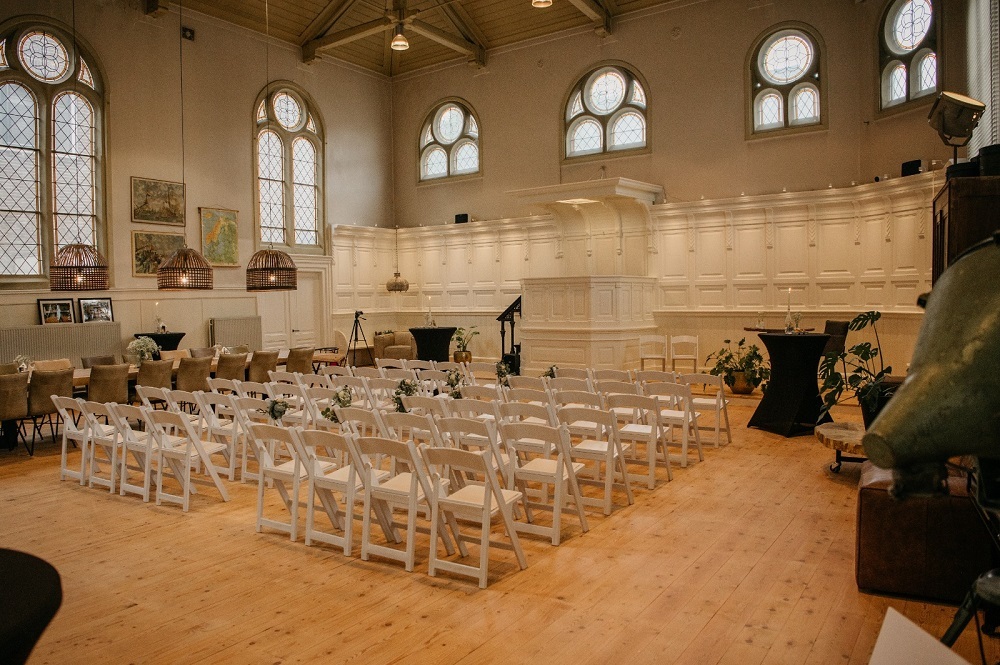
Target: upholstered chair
[[52, 365], [94, 361], [300, 360], [232, 366], [207, 352], [399, 345], [261, 363], [175, 355], [14, 401], [8, 368], [108, 383], [156, 374], [193, 373], [44, 384]]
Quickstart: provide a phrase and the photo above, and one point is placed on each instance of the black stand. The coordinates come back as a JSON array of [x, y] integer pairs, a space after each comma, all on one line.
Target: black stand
[[356, 333], [985, 595]]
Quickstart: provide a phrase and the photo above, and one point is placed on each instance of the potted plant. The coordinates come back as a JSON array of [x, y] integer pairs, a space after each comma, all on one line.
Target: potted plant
[[462, 337], [743, 368], [864, 376], [143, 348]]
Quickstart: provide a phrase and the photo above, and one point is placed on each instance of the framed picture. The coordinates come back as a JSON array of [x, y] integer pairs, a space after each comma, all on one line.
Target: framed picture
[[157, 201], [95, 309], [55, 311], [220, 236], [149, 248]]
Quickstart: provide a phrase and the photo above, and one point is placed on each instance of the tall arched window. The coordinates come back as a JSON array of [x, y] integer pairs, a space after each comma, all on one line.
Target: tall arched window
[[784, 67], [908, 52], [51, 140], [289, 148], [606, 112], [449, 141]]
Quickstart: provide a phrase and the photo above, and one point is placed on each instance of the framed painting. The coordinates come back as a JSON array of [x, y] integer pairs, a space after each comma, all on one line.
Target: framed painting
[[220, 236], [55, 311], [157, 201], [150, 248], [95, 309]]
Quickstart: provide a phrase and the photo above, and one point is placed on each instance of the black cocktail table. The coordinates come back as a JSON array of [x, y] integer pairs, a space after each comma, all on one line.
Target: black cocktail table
[[433, 343], [791, 405], [167, 341]]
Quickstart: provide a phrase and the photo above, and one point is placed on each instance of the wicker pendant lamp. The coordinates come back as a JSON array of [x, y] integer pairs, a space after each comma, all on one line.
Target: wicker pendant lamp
[[186, 268], [397, 284], [271, 270], [78, 267]]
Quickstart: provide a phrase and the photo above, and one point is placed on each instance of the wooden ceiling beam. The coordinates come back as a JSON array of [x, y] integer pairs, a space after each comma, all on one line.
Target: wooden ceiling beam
[[475, 51], [325, 21], [311, 49], [596, 12]]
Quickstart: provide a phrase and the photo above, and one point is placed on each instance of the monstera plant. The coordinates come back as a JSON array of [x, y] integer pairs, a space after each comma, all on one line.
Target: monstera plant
[[864, 373]]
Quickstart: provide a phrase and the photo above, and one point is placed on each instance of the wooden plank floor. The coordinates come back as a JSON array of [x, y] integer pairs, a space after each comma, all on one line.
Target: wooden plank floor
[[745, 558]]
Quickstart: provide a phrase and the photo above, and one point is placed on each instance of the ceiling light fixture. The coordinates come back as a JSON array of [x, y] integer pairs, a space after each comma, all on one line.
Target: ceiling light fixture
[[399, 42], [541, 3], [397, 284]]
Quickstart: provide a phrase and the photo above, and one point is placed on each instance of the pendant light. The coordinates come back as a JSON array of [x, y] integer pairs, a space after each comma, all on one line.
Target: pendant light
[[185, 269], [270, 269], [397, 284], [541, 3], [399, 41], [78, 267]]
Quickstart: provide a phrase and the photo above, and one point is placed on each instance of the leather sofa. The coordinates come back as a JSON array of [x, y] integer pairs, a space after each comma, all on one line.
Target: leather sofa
[[926, 548], [398, 345]]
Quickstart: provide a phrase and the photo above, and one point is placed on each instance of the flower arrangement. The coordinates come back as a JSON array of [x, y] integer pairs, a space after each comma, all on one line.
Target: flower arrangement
[[276, 409], [550, 373], [463, 337], [748, 361], [343, 398], [405, 389], [23, 362], [503, 372], [455, 381], [143, 348]]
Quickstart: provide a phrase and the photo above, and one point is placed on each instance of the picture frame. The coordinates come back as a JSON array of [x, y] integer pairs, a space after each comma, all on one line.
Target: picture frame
[[158, 201], [220, 236], [54, 311], [150, 248], [95, 310]]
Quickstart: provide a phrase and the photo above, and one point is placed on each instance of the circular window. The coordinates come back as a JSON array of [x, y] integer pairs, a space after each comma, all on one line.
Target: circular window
[[449, 124], [911, 21], [287, 110], [786, 57], [606, 91], [43, 56]]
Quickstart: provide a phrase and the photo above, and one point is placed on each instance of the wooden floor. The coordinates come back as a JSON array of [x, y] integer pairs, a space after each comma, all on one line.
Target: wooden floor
[[747, 557]]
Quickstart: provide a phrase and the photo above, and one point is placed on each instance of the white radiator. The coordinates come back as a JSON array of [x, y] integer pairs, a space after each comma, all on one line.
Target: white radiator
[[61, 340], [244, 330]]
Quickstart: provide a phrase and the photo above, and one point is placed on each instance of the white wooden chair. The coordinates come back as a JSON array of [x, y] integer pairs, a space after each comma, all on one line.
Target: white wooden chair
[[578, 399], [152, 397], [484, 393], [676, 411], [336, 370], [475, 409], [418, 365], [390, 363], [655, 376], [685, 349], [286, 476], [248, 411], [433, 380], [102, 446], [639, 425], [252, 389], [477, 502], [530, 382], [381, 393], [447, 366], [653, 348], [407, 490], [481, 373], [570, 383], [277, 376], [221, 426], [528, 396], [527, 412], [610, 375], [296, 415], [356, 384], [137, 444], [307, 381], [603, 448], [180, 447], [366, 372], [715, 403], [409, 427], [540, 456], [398, 374], [76, 430], [222, 386], [423, 405], [475, 435], [573, 373]]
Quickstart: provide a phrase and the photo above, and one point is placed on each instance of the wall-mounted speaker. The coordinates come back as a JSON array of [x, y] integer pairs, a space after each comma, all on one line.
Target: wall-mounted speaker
[[911, 167], [462, 218]]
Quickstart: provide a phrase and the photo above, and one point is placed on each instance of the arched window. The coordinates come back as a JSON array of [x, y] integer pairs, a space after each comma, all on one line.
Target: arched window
[[51, 147], [289, 147], [449, 141], [784, 66], [908, 51], [606, 112]]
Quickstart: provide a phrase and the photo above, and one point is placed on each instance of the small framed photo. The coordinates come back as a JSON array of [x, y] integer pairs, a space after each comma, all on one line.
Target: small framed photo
[[95, 309], [55, 311]]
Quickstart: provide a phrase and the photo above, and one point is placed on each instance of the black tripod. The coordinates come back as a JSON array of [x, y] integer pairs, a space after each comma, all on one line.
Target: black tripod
[[356, 333]]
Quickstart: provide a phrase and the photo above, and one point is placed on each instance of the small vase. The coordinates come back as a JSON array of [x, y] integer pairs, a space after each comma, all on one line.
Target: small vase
[[462, 356], [740, 384]]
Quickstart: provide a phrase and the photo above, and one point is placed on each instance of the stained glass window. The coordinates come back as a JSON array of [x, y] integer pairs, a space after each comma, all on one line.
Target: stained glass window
[[271, 184], [311, 124], [3, 53], [606, 111], [787, 58], [897, 83], [785, 77], [449, 142], [261, 113], [20, 246], [805, 105], [909, 44], [911, 23], [287, 111], [43, 56], [928, 72], [770, 112], [304, 179], [85, 76], [73, 170]]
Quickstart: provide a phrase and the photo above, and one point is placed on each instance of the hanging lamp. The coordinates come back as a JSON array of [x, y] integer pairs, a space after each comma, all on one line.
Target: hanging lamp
[[399, 41], [186, 268], [541, 3], [397, 284], [270, 269], [78, 267]]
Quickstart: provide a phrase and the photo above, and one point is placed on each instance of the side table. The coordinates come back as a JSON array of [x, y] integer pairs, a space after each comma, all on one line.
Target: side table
[[842, 438]]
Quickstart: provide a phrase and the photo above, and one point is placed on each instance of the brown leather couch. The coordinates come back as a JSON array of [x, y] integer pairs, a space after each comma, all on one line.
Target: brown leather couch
[[927, 548], [398, 345]]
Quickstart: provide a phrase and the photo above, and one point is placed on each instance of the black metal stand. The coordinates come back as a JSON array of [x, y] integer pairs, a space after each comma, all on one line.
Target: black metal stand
[[841, 458], [984, 595], [356, 332]]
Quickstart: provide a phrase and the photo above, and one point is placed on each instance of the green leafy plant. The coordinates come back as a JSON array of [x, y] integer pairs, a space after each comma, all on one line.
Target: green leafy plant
[[463, 336], [455, 381], [343, 398], [865, 372], [550, 373], [276, 409], [405, 388], [143, 348], [746, 359]]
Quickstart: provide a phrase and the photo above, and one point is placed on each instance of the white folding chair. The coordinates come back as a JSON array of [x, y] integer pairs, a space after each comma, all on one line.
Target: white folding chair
[[136, 444], [570, 383], [76, 430], [481, 373], [102, 445], [366, 372], [639, 425], [336, 370], [481, 392], [307, 381], [685, 349], [286, 476], [423, 405], [676, 411], [418, 365], [475, 435], [573, 373], [400, 426], [356, 384], [246, 412], [179, 447], [252, 389], [473, 408], [221, 426], [715, 403], [477, 502], [654, 348], [655, 376], [276, 376], [296, 415], [222, 386], [610, 375], [530, 382], [359, 421], [390, 363], [603, 448], [381, 393], [527, 412]]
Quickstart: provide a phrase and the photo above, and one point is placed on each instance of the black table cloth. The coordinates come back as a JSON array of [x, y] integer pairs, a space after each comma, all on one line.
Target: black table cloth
[[167, 341], [792, 403], [433, 343]]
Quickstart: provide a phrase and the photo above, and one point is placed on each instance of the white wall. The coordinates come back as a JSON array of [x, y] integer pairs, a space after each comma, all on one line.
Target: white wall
[[697, 109]]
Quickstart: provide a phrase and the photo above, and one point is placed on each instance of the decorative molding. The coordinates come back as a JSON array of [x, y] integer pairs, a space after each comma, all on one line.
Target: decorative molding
[[811, 224], [769, 228], [690, 233], [857, 221], [888, 218], [729, 230]]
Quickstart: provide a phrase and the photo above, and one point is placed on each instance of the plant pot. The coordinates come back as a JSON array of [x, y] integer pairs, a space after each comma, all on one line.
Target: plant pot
[[462, 356], [741, 386], [869, 414]]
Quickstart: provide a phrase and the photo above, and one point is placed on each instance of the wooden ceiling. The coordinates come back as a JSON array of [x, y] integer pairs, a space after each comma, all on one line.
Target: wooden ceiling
[[359, 31]]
